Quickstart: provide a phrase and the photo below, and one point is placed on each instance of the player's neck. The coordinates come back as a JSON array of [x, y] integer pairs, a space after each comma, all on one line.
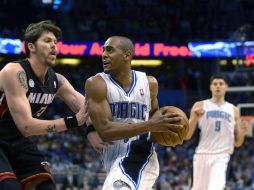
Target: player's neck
[[124, 79], [218, 100], [39, 69]]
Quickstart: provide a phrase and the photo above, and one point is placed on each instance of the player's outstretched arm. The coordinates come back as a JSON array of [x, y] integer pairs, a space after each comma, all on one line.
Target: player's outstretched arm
[[100, 113], [14, 84], [75, 100], [196, 112]]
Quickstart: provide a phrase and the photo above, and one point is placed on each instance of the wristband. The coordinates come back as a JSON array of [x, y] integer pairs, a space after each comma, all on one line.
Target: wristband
[[88, 129], [82, 131], [71, 122]]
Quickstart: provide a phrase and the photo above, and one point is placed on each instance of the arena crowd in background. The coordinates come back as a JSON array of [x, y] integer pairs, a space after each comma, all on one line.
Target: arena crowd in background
[[74, 162], [142, 20]]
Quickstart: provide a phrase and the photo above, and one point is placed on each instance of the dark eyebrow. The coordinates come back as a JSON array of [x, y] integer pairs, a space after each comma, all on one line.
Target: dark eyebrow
[[104, 47], [107, 46], [50, 38]]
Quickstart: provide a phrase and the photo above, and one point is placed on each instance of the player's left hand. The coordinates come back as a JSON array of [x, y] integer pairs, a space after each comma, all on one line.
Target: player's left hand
[[96, 142]]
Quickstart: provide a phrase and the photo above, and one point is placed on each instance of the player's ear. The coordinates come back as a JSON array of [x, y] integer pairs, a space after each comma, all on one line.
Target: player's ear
[[226, 87], [127, 55], [210, 87], [31, 47]]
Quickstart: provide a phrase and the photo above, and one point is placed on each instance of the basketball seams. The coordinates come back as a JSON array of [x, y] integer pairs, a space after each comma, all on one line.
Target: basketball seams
[[166, 139]]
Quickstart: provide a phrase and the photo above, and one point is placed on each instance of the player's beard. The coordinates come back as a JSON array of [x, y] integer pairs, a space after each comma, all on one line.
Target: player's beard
[[51, 60]]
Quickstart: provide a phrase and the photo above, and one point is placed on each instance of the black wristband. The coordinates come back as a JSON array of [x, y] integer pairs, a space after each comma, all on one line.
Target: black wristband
[[90, 128], [82, 131], [71, 122]]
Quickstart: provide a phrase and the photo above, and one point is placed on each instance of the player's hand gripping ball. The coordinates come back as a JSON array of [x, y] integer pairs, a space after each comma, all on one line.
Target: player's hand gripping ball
[[167, 138]]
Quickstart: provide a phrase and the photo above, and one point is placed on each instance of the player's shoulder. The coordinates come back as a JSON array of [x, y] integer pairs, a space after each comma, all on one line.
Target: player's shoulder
[[10, 72], [152, 80], [199, 103], [153, 83], [236, 109], [12, 65], [231, 104], [95, 79], [95, 83], [11, 68]]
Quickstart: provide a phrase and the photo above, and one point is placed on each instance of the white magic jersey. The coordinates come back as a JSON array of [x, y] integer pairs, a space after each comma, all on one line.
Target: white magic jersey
[[217, 128], [126, 107]]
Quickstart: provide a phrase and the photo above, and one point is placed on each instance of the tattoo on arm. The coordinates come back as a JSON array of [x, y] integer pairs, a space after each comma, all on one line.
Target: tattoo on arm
[[60, 79], [21, 76], [51, 129]]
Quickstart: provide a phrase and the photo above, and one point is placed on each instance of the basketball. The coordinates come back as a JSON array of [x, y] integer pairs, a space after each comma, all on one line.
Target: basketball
[[167, 139]]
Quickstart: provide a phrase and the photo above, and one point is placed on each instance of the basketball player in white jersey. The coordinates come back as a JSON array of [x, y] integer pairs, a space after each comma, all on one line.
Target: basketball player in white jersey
[[120, 101], [221, 130]]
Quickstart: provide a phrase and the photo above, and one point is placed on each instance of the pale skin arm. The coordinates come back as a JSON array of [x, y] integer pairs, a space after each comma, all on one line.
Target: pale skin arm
[[74, 100], [240, 128], [13, 83], [196, 112], [100, 113]]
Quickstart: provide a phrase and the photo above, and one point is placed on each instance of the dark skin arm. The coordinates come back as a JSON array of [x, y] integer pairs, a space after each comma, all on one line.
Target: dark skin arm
[[153, 85], [100, 113]]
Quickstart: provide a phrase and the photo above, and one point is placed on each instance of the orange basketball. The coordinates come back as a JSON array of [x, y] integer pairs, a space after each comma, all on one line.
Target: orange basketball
[[167, 139]]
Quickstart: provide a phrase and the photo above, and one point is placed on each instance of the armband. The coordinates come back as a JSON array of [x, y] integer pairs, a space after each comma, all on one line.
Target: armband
[[84, 130], [88, 129], [71, 122]]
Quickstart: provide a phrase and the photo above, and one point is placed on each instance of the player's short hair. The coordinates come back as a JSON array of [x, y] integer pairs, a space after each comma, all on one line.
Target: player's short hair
[[125, 44], [218, 77], [34, 31]]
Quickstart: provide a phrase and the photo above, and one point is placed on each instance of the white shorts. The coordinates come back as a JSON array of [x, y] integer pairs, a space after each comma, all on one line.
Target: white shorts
[[209, 171], [144, 179]]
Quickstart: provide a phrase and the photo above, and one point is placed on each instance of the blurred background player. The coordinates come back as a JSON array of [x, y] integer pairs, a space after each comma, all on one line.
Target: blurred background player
[[221, 130], [120, 102], [27, 87]]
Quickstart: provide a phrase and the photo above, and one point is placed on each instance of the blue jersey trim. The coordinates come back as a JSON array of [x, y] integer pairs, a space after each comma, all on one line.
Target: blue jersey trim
[[139, 168], [133, 84]]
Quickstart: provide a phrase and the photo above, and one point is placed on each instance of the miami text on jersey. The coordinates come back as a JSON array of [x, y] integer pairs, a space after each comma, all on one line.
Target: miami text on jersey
[[40, 98]]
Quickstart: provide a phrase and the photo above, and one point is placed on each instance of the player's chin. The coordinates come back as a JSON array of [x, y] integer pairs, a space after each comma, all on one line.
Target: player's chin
[[107, 71], [51, 62]]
